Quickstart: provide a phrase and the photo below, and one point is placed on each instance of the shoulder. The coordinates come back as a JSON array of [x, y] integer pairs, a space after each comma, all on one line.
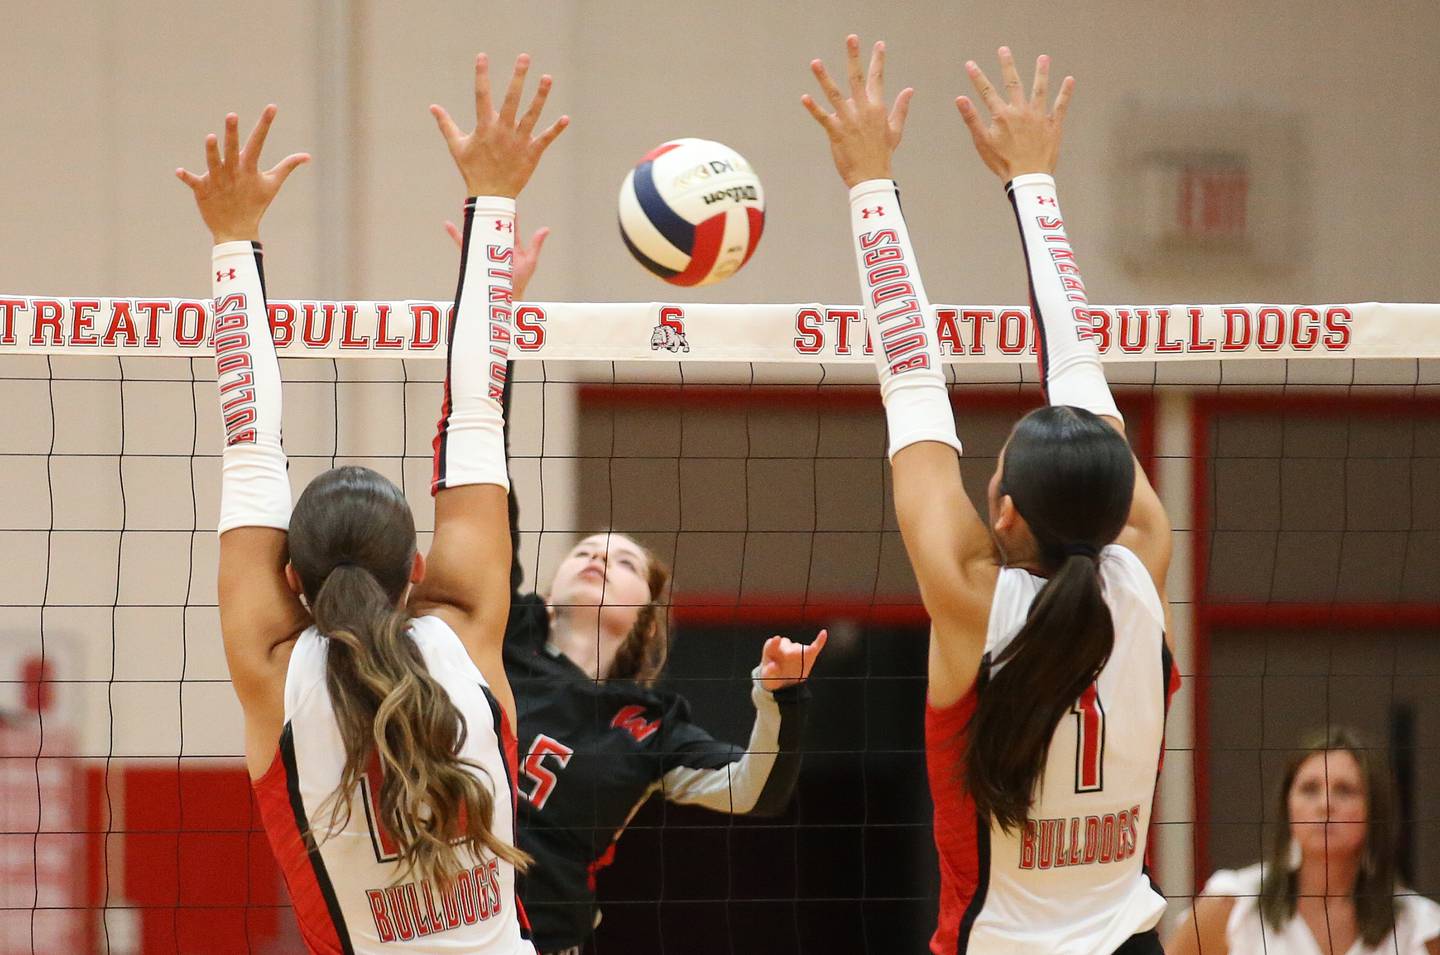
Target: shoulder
[[1417, 917], [529, 621], [669, 704], [1234, 883], [442, 649], [1015, 590], [1125, 575]]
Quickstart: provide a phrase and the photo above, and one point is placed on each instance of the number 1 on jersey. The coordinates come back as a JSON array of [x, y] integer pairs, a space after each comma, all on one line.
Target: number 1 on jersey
[[1089, 741]]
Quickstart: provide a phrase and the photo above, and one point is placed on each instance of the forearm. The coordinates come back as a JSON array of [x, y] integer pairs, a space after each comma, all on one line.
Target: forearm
[[517, 572], [762, 779], [901, 332], [255, 488], [1070, 368], [470, 441]]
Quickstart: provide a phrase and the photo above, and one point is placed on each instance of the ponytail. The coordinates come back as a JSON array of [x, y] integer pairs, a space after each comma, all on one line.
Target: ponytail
[[1064, 643], [641, 655], [1071, 477], [352, 544], [389, 707]]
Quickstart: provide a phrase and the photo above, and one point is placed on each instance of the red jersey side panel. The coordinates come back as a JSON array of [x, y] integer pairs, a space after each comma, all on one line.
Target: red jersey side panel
[[960, 842]]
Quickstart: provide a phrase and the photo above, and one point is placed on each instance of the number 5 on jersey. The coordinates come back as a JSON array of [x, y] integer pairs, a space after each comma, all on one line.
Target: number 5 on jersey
[[541, 775]]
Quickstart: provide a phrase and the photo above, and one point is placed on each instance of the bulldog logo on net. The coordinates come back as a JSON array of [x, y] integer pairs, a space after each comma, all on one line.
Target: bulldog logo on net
[[670, 333]]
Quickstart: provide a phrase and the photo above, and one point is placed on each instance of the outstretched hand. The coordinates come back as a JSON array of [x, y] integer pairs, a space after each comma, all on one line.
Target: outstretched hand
[[783, 662], [234, 193], [863, 133], [1023, 135], [527, 256], [498, 157]]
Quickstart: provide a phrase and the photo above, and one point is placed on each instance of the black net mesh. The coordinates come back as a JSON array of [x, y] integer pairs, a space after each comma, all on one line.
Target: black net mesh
[[1305, 591]]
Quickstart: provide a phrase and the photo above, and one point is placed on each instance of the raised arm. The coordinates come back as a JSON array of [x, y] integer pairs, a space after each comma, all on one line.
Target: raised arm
[[523, 265], [1021, 145], [467, 580], [259, 615], [948, 543]]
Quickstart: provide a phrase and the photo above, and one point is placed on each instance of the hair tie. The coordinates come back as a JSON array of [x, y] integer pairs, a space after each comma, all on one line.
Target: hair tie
[[1081, 549]]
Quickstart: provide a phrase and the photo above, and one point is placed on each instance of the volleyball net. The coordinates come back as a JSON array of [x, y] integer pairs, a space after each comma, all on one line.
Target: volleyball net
[[1296, 447]]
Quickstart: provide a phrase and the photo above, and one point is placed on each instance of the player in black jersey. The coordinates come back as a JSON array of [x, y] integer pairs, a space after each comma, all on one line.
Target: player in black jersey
[[597, 739]]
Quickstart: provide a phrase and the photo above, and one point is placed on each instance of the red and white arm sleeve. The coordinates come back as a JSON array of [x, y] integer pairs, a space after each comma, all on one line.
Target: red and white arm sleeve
[[1070, 369], [897, 318], [254, 485], [470, 438]]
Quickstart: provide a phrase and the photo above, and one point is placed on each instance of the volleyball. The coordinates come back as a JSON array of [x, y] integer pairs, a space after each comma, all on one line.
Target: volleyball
[[691, 211]]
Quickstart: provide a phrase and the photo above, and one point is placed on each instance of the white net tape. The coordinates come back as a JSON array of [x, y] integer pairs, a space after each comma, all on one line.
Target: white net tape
[[657, 331]]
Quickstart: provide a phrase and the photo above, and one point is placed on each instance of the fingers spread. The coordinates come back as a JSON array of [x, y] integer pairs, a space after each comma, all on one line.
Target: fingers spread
[[189, 178], [852, 67], [212, 156], [532, 115], [875, 82], [232, 140], [1042, 82], [256, 142], [483, 108], [448, 129], [1011, 76], [538, 239], [821, 117], [984, 87], [899, 111], [286, 166], [453, 231], [511, 106], [827, 85], [971, 116], [542, 142], [1062, 99]]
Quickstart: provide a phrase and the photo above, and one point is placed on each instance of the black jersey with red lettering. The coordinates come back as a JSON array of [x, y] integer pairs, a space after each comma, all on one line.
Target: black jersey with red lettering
[[593, 751]]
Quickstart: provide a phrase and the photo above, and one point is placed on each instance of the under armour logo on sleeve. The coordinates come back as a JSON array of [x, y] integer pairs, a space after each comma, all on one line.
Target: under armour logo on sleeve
[[223, 274], [502, 226], [1047, 200], [877, 212]]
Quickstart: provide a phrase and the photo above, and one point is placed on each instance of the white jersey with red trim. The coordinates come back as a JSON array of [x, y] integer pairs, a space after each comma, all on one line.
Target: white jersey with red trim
[[348, 890], [1073, 881]]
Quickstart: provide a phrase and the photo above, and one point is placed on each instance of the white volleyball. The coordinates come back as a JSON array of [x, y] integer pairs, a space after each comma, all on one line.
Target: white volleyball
[[691, 211]]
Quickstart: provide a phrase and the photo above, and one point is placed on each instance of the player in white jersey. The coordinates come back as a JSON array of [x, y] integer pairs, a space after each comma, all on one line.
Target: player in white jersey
[[1048, 669], [378, 721]]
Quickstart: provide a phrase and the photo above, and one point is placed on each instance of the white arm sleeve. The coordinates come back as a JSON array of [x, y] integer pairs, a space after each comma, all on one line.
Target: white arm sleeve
[[898, 321], [1070, 369], [758, 779], [470, 439], [254, 486]]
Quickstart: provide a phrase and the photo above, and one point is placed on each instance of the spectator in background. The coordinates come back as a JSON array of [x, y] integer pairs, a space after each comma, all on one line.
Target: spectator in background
[[1328, 884]]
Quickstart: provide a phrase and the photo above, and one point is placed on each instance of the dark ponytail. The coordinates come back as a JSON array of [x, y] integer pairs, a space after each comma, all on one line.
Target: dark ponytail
[[352, 542], [1071, 477]]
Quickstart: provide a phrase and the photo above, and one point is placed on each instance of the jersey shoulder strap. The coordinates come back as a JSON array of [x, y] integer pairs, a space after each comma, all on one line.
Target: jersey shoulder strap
[[306, 669], [442, 650], [1015, 590], [1126, 578]]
